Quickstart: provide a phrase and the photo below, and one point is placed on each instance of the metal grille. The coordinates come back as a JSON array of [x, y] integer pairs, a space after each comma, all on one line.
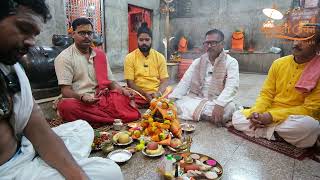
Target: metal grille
[[90, 9]]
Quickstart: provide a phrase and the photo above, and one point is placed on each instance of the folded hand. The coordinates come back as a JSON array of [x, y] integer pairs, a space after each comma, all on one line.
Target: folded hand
[[217, 115], [88, 99], [260, 120]]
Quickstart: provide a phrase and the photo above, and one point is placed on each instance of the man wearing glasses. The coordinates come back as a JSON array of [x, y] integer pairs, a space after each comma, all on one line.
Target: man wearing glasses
[[87, 85], [209, 86]]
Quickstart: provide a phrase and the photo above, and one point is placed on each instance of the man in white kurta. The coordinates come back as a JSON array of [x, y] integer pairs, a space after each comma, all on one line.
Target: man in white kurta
[[77, 136], [29, 148], [209, 86]]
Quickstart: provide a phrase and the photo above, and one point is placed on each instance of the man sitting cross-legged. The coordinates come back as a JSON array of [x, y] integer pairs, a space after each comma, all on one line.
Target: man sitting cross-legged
[[145, 69], [86, 82], [29, 148], [289, 101], [209, 86]]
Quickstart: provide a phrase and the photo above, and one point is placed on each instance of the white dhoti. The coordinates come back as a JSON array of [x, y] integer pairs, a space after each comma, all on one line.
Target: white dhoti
[[192, 108], [78, 137], [298, 130]]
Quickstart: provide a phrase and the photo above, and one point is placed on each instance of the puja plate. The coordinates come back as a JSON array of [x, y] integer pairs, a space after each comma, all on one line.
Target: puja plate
[[124, 144], [100, 137], [187, 127], [115, 139], [162, 151], [120, 155], [211, 169]]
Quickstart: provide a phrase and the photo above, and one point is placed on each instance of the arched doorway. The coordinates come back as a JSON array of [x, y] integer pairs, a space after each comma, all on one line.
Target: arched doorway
[[136, 16]]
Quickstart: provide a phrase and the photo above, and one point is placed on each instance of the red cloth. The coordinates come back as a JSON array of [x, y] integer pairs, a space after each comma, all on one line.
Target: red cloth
[[101, 69], [116, 107], [111, 105], [141, 102], [310, 76]]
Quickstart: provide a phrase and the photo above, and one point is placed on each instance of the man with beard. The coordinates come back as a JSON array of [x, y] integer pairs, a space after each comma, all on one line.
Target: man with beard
[[86, 82], [209, 86], [145, 69], [289, 101], [29, 148]]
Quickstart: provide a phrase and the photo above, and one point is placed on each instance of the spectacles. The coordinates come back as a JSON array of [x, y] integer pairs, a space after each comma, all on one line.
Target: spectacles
[[84, 33], [212, 43]]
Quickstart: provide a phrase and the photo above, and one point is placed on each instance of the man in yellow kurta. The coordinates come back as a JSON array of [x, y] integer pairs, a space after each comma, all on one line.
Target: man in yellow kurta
[[281, 107], [145, 69]]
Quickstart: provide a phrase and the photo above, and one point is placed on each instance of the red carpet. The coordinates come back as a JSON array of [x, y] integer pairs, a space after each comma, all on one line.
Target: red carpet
[[278, 145]]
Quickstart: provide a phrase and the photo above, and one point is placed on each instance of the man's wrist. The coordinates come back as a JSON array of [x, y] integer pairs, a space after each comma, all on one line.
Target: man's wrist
[[76, 173]]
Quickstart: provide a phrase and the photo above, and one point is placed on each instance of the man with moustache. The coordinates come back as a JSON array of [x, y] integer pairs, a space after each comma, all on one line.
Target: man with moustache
[[209, 86], [29, 148], [145, 69], [289, 101], [88, 89]]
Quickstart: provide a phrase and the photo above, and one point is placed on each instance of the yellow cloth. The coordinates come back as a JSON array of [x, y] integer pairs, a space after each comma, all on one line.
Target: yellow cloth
[[279, 96], [146, 72]]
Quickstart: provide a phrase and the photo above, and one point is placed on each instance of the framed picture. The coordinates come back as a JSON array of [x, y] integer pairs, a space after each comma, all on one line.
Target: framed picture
[[311, 3]]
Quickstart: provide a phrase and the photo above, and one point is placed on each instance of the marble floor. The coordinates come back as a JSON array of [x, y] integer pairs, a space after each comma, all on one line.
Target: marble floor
[[241, 159]]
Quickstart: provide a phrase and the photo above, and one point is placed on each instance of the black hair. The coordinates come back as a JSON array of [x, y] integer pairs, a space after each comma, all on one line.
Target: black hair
[[144, 29], [80, 21], [216, 31], [40, 7]]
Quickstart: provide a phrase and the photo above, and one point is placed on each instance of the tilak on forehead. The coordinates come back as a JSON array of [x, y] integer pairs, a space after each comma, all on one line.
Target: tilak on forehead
[[84, 27]]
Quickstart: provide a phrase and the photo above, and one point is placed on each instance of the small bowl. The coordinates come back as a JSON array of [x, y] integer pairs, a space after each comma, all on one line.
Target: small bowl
[[187, 127], [120, 155]]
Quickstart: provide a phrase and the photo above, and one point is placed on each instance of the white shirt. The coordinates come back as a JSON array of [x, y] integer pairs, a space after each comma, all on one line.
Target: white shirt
[[231, 85], [22, 101]]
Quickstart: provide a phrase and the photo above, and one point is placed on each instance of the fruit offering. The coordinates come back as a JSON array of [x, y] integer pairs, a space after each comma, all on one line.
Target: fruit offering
[[140, 146], [99, 139], [159, 120], [154, 149], [122, 138]]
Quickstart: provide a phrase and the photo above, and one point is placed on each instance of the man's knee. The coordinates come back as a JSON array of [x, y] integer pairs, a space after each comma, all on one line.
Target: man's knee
[[131, 117], [229, 111], [239, 120], [301, 131], [67, 104], [301, 124], [67, 107], [100, 168]]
